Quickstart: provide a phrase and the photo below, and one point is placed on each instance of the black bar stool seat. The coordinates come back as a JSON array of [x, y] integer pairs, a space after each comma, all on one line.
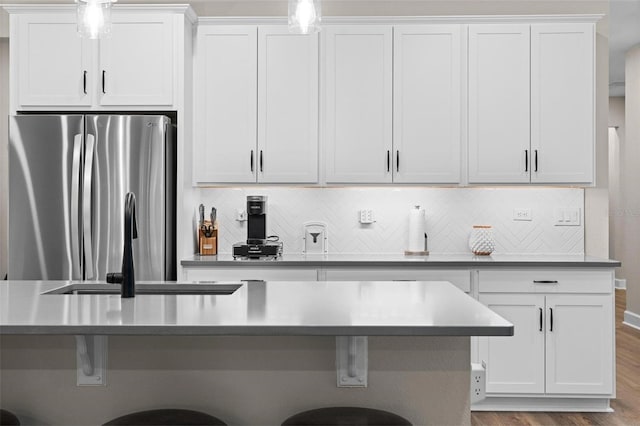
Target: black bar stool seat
[[166, 417], [8, 418], [346, 416]]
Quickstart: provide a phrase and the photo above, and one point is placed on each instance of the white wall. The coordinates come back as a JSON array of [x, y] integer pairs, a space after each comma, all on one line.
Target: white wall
[[4, 153], [630, 179], [616, 198]]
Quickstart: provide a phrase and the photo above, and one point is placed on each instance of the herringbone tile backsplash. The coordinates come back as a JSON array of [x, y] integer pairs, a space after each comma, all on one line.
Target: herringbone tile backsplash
[[450, 214]]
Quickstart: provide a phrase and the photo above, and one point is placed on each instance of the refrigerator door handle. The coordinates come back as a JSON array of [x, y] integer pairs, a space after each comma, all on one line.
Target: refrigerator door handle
[[75, 212], [86, 207]]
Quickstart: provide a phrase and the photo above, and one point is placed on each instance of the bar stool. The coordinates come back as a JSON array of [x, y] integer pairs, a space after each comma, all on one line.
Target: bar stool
[[8, 418], [166, 417], [346, 416]]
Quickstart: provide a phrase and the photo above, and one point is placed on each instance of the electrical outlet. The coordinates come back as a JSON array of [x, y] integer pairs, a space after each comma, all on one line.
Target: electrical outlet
[[478, 383], [522, 214], [366, 216]]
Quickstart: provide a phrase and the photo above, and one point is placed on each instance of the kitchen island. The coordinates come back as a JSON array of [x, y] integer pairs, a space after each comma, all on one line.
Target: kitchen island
[[255, 356]]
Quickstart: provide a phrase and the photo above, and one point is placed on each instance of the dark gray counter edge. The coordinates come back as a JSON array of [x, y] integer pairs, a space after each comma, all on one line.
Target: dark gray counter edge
[[248, 330], [405, 264]]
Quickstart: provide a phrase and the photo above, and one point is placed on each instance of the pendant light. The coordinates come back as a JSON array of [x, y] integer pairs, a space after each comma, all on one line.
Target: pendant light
[[94, 18], [304, 16]]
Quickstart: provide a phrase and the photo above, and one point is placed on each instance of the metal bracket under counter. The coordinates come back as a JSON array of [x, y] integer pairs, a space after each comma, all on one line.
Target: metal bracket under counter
[[91, 360], [352, 361]]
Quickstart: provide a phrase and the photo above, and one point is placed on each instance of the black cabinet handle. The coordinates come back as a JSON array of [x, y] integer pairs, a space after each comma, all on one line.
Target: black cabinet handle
[[397, 160], [545, 281], [251, 161], [526, 160], [388, 160], [84, 81], [540, 318], [551, 319], [535, 160], [103, 79], [261, 162]]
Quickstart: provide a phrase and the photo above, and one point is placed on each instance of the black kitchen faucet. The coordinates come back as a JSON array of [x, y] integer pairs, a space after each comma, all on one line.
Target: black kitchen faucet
[[127, 277]]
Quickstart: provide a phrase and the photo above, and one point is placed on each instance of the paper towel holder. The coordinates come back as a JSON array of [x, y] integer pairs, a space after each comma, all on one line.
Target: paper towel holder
[[424, 252], [413, 247]]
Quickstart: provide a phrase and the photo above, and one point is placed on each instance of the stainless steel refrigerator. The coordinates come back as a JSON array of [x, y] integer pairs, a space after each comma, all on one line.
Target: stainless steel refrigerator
[[68, 176]]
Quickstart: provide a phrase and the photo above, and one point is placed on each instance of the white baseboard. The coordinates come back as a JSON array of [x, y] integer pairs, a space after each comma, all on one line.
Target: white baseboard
[[621, 284], [631, 319], [593, 405]]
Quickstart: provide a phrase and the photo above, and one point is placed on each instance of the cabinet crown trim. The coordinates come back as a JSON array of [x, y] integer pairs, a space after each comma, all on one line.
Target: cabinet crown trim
[[457, 19], [185, 9]]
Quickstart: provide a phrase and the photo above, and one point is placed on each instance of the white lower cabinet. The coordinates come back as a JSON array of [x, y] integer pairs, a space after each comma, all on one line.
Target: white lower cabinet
[[515, 364], [563, 342], [579, 344]]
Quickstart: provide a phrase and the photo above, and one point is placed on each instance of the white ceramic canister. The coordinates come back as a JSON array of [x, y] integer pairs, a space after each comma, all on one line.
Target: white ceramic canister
[[481, 240]]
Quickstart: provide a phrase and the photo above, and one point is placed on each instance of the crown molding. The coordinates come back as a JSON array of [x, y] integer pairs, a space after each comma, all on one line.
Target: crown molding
[[457, 19], [184, 9]]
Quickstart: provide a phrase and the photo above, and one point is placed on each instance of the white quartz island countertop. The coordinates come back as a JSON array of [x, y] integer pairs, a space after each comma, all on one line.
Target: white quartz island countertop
[[358, 308]]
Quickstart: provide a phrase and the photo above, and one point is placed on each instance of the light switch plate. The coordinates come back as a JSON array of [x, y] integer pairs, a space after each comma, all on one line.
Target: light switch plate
[[568, 216]]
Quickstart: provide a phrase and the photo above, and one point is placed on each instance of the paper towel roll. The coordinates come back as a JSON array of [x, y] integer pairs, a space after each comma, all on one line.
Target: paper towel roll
[[416, 229]]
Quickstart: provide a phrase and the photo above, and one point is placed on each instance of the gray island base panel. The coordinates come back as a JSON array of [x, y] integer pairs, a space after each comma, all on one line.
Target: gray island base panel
[[398, 260], [256, 308]]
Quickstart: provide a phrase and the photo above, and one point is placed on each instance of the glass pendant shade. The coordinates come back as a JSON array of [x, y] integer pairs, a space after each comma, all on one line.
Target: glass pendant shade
[[94, 18], [304, 16]]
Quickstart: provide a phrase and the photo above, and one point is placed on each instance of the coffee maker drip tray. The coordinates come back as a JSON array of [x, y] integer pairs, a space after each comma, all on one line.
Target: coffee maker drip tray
[[257, 251]]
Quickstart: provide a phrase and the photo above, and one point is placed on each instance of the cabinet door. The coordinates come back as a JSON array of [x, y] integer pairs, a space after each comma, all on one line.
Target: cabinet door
[[226, 104], [426, 97], [515, 364], [54, 63], [358, 102], [499, 103], [580, 344], [287, 106], [136, 61], [562, 103]]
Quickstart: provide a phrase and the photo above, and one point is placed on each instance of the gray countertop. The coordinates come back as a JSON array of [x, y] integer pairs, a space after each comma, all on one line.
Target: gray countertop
[[365, 308], [392, 260]]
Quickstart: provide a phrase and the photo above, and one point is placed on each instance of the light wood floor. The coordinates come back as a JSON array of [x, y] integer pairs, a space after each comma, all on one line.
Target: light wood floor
[[626, 405]]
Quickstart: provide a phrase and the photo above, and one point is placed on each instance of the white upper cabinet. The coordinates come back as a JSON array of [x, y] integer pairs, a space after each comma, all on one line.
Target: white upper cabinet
[[358, 103], [257, 107], [427, 103], [499, 148], [562, 103], [287, 106], [136, 62], [53, 63], [55, 67], [531, 103], [226, 104]]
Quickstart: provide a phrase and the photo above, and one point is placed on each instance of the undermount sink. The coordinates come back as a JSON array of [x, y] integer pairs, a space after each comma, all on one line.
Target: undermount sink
[[150, 288]]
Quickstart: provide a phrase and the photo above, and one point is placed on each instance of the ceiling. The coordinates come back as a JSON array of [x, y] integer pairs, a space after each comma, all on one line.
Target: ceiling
[[624, 33]]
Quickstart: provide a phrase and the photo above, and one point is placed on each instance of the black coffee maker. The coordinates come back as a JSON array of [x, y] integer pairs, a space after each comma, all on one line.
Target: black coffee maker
[[257, 219], [257, 245]]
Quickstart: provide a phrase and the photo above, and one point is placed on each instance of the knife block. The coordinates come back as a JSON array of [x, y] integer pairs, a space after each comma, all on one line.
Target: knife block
[[208, 245]]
